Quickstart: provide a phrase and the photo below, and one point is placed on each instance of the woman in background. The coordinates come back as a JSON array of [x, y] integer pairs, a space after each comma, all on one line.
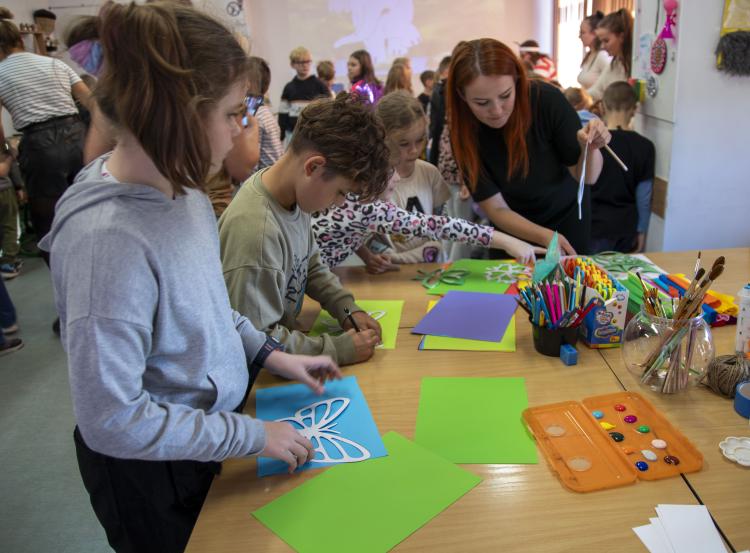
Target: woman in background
[[615, 32], [596, 60]]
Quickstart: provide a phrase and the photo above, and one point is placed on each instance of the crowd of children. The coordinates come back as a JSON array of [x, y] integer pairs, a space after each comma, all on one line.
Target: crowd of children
[[166, 316]]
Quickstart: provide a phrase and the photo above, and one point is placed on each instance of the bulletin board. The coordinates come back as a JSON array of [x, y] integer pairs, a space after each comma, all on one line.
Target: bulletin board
[[650, 18]]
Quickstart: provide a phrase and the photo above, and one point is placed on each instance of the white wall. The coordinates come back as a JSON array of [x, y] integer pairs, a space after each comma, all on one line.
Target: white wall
[[697, 122], [427, 30], [424, 30], [708, 202]]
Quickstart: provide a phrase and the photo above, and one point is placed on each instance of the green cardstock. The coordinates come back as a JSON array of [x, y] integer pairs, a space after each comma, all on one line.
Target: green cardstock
[[369, 506], [479, 279], [508, 342], [475, 420], [386, 312]]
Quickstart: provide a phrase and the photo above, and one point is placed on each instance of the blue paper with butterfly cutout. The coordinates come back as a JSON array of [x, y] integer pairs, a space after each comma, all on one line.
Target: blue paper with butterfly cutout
[[338, 423]]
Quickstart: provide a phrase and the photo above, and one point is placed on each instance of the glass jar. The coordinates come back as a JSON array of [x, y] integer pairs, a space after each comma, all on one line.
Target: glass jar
[[668, 355]]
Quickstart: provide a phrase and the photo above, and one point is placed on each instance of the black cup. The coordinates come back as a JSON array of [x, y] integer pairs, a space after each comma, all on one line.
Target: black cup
[[548, 341]]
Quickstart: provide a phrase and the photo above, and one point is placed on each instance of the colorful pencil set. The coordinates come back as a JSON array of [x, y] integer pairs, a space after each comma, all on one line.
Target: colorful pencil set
[[556, 304]]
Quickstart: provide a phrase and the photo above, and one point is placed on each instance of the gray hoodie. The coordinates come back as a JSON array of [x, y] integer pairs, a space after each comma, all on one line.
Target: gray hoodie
[[157, 358]]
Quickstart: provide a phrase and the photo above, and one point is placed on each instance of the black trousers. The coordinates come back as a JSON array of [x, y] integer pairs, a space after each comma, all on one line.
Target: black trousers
[[147, 506], [50, 156]]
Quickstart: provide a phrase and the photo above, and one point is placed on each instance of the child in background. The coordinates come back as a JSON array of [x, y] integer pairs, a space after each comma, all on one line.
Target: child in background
[[269, 255], [269, 132], [399, 78], [420, 186], [298, 92], [428, 79], [12, 194], [620, 200], [343, 229], [361, 73], [541, 64], [581, 102], [160, 366], [8, 324], [326, 73]]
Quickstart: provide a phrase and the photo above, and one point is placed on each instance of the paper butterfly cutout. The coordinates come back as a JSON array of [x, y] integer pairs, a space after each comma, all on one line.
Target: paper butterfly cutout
[[506, 273], [319, 430]]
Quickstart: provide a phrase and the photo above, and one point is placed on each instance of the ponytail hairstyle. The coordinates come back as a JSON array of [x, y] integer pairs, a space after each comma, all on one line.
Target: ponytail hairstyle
[[398, 79], [489, 57], [367, 69], [165, 68], [621, 23], [10, 36], [593, 21]]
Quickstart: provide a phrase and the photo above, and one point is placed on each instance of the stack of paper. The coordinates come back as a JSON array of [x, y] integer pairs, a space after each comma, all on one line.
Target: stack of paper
[[681, 529], [469, 321]]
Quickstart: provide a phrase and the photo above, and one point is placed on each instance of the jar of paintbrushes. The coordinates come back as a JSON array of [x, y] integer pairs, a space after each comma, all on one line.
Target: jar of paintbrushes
[[668, 345]]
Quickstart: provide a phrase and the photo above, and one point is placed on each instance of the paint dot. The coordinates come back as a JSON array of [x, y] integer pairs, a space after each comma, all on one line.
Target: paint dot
[[671, 460], [630, 419], [649, 455], [620, 407], [606, 425], [555, 430], [641, 466], [579, 464], [597, 414], [628, 450], [616, 436], [659, 444], [643, 429]]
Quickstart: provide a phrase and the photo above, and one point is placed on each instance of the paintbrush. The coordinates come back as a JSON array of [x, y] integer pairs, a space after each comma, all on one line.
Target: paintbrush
[[617, 159], [697, 264]]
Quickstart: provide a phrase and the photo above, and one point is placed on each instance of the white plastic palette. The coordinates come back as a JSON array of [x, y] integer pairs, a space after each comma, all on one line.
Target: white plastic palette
[[737, 450]]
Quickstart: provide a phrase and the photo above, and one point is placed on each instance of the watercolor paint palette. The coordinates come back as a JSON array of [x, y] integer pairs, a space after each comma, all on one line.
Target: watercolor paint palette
[[610, 441]]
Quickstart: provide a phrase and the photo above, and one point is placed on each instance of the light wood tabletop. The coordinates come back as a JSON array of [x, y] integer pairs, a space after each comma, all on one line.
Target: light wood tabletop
[[704, 417], [515, 507]]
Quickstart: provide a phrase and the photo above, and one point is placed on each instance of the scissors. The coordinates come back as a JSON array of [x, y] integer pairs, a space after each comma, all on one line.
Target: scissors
[[451, 277]]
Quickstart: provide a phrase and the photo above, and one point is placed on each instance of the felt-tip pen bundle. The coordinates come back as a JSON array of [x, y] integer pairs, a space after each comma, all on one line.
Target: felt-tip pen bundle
[[556, 304]]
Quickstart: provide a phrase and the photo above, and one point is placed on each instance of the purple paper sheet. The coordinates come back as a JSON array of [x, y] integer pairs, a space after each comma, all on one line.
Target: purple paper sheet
[[469, 315]]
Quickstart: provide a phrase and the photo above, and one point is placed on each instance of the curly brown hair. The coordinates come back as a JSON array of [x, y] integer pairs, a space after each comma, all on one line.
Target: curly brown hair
[[347, 133]]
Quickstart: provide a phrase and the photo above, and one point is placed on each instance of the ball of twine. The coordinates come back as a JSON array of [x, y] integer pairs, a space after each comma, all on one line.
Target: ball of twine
[[725, 372]]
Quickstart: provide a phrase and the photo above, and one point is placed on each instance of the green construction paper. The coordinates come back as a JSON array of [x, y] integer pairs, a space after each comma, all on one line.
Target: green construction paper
[[475, 420], [369, 506], [476, 281], [326, 324], [508, 342]]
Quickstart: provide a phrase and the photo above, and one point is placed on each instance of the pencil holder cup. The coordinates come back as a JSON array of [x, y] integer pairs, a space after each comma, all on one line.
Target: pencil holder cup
[[547, 341], [667, 355]]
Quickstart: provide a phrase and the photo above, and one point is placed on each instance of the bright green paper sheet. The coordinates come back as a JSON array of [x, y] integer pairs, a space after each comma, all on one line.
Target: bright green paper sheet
[[508, 342], [386, 312], [368, 506], [475, 420], [477, 280]]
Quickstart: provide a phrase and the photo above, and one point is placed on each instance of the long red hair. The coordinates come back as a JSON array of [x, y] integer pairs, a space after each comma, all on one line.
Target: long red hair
[[486, 56]]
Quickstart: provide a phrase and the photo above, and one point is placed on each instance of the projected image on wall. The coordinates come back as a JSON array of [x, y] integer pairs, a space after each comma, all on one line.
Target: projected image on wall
[[385, 27]]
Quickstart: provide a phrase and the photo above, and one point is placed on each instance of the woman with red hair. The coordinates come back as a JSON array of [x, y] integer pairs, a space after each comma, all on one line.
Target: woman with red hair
[[520, 147]]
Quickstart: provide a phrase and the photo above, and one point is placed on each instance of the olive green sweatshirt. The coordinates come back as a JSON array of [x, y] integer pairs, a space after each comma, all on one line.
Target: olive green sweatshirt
[[270, 261]]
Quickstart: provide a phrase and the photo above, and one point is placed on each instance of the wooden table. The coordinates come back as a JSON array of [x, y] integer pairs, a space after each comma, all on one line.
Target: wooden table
[[516, 507], [706, 418]]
